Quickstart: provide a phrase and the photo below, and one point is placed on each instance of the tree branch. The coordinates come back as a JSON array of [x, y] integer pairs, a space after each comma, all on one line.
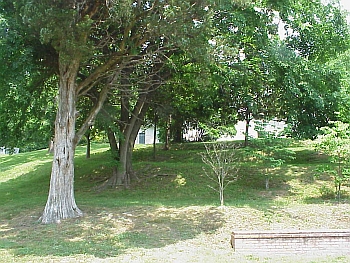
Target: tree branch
[[93, 113]]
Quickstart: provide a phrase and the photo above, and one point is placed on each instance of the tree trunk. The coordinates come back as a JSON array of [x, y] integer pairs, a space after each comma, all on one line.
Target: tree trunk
[[124, 128], [131, 145], [127, 145], [121, 170], [338, 192], [115, 155], [267, 182], [246, 135], [125, 164], [129, 126], [61, 201], [88, 144], [221, 197], [155, 136], [167, 133], [51, 144], [178, 129], [112, 143]]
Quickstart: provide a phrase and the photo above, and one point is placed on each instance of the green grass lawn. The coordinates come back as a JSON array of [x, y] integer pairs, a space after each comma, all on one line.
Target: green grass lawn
[[169, 214]]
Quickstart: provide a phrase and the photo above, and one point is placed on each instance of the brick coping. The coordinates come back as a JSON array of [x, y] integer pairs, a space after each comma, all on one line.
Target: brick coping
[[330, 241], [292, 233]]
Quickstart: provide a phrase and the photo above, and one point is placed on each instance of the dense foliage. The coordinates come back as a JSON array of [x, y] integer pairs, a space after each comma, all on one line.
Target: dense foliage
[[250, 73], [179, 64]]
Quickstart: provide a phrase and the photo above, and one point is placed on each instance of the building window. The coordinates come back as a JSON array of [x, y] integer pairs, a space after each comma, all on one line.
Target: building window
[[142, 138]]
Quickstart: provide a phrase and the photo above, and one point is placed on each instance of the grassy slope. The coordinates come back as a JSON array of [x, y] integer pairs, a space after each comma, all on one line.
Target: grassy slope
[[168, 215]]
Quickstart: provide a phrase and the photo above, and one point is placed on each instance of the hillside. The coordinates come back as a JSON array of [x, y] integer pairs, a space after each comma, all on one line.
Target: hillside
[[169, 214]]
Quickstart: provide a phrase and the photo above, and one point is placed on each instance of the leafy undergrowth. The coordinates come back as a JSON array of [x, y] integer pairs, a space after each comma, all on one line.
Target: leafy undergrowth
[[168, 215]]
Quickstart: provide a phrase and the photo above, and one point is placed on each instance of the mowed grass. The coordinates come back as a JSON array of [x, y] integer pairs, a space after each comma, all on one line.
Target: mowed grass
[[169, 214]]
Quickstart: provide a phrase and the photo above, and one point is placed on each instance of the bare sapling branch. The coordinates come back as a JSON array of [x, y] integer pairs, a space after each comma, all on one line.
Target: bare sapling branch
[[222, 166]]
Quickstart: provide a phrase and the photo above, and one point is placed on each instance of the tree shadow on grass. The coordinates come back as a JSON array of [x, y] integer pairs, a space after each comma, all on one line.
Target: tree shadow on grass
[[20, 164], [109, 231]]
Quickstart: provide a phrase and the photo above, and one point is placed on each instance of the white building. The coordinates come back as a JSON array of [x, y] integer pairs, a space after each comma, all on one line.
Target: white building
[[272, 126], [145, 136], [4, 150]]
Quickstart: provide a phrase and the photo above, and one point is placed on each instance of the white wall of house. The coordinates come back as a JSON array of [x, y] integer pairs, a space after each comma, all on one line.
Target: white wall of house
[[4, 150], [272, 126], [191, 135], [240, 128], [145, 136]]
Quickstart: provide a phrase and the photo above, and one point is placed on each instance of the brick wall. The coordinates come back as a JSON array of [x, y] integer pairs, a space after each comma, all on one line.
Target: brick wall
[[295, 241]]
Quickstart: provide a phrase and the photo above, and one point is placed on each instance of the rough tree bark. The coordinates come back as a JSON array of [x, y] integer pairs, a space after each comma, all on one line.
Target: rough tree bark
[[167, 133], [127, 144], [88, 143], [115, 154], [155, 122], [131, 125], [61, 202], [248, 118], [120, 172]]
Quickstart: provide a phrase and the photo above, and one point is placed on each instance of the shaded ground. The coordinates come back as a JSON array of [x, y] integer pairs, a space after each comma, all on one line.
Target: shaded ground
[[159, 234], [168, 215]]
